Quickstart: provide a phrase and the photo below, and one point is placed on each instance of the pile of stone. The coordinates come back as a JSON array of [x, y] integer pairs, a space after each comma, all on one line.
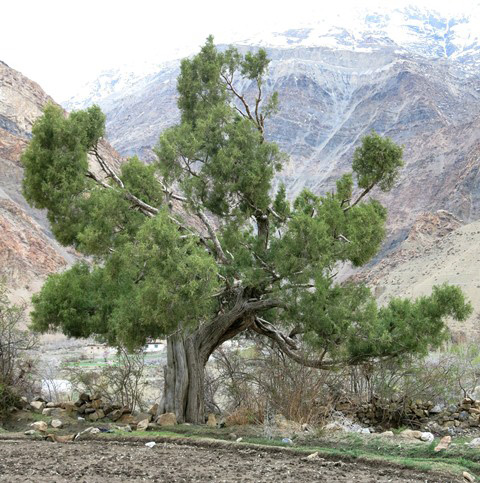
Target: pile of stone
[[94, 408], [463, 415]]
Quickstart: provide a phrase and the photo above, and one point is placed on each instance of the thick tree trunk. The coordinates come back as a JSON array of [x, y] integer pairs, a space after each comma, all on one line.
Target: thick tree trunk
[[184, 380], [188, 354]]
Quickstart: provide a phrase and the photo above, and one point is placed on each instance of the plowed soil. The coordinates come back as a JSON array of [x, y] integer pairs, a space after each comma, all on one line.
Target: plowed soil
[[101, 461]]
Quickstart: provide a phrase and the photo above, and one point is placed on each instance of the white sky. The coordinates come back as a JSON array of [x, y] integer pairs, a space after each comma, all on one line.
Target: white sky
[[62, 44]]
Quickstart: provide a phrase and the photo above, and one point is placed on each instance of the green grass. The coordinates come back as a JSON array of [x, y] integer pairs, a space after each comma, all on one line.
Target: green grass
[[418, 456]]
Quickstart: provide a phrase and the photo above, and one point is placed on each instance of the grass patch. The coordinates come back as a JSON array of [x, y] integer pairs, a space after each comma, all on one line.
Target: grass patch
[[374, 449]]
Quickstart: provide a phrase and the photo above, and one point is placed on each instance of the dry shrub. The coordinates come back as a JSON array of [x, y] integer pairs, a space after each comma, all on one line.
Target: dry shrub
[[258, 378], [121, 382], [17, 377]]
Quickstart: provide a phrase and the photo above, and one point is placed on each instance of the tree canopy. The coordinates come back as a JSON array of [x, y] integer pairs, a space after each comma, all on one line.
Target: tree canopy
[[201, 244]]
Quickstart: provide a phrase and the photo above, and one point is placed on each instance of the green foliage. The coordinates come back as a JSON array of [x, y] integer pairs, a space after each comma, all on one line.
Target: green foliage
[[377, 161], [147, 288], [156, 271]]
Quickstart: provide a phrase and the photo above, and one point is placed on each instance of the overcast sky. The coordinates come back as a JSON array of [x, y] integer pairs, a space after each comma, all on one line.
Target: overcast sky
[[61, 44]]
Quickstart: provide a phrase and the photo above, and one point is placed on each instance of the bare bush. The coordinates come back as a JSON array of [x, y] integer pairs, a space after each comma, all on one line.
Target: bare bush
[[16, 368], [120, 382], [267, 382]]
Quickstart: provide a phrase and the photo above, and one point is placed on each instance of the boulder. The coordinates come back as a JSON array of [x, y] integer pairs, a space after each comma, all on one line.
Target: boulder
[[84, 397], [167, 419], [115, 414], [387, 434], [30, 432], [411, 434], [56, 423], [143, 416], [61, 439], [444, 443], [212, 420], [95, 416], [143, 425], [475, 443], [153, 410], [427, 437], [41, 426], [97, 403], [38, 405], [126, 419]]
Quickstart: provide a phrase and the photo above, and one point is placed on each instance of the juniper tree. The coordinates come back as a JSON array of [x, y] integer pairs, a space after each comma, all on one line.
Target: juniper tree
[[223, 253]]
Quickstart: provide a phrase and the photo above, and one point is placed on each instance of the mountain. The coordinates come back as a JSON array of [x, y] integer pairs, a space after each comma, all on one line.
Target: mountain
[[28, 250], [409, 74]]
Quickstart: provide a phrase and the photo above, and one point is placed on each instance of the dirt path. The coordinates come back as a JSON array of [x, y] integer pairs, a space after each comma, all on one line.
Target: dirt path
[[95, 462]]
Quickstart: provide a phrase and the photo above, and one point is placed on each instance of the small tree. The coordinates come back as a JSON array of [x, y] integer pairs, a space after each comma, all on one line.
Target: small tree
[[228, 254], [15, 369]]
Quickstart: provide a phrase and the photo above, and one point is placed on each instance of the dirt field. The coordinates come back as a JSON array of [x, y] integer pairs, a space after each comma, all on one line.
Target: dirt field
[[95, 462]]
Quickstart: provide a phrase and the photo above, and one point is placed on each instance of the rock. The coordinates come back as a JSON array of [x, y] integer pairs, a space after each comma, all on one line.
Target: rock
[[387, 434], [167, 419], [427, 437], [143, 416], [38, 405], [84, 397], [438, 408], [95, 431], [61, 439], [51, 405], [95, 416], [153, 410], [115, 415], [126, 419], [153, 427], [212, 420], [239, 440], [468, 477], [79, 418], [41, 426], [411, 434], [56, 423], [475, 443], [143, 425], [150, 444], [463, 416], [474, 411], [30, 432], [127, 428], [287, 441], [313, 456], [97, 403], [444, 443], [232, 436], [47, 411]]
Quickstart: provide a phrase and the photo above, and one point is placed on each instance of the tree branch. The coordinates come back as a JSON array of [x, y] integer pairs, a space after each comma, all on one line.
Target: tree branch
[[218, 247]]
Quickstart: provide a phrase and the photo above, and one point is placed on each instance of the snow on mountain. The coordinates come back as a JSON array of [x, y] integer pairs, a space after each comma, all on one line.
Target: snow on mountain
[[412, 30]]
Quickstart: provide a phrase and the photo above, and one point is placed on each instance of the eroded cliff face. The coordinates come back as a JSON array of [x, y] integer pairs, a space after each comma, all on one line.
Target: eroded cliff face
[[28, 250]]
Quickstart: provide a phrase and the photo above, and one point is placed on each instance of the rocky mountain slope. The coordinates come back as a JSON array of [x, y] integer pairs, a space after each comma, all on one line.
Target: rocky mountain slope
[[28, 251], [439, 248], [410, 74]]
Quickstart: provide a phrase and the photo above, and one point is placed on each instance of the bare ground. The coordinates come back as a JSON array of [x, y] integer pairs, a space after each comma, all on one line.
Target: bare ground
[[114, 461]]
